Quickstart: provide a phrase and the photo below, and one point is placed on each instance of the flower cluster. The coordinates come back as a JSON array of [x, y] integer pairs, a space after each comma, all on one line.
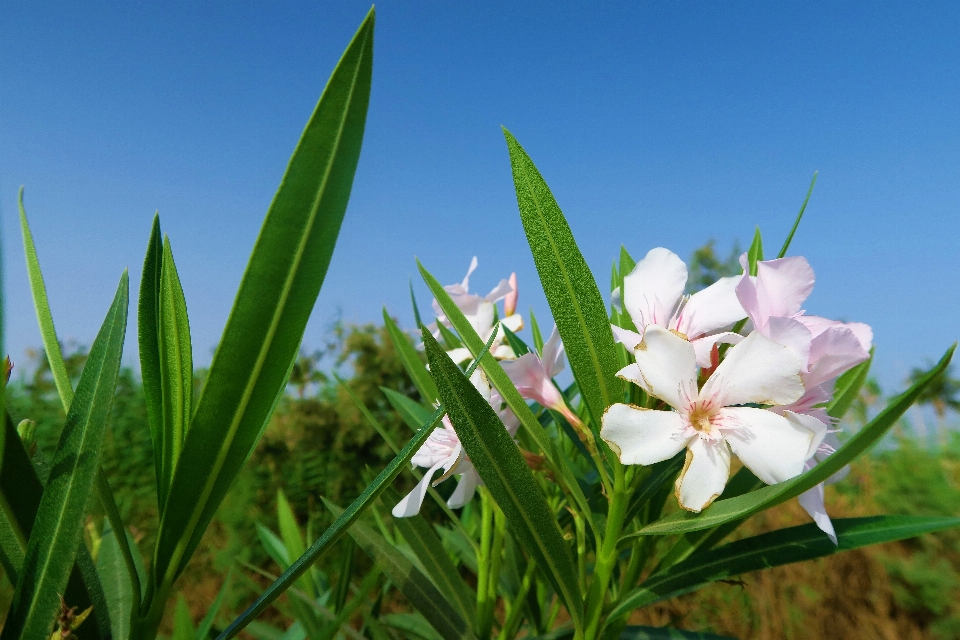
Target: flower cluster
[[532, 374], [763, 402]]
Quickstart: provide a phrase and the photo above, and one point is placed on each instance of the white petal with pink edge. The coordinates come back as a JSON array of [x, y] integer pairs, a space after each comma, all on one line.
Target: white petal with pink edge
[[783, 285]]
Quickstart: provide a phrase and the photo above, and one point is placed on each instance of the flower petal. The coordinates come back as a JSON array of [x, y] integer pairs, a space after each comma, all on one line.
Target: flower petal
[[466, 487], [758, 370], [642, 436], [410, 504], [668, 364], [653, 289], [631, 373], [510, 302], [790, 333], [703, 346], [502, 290], [772, 446], [627, 338], [834, 351], [783, 285], [711, 309], [553, 354], [812, 502], [459, 355], [704, 474]]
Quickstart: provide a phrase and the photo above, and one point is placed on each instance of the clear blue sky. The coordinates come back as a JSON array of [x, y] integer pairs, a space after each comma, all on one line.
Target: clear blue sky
[[654, 123]]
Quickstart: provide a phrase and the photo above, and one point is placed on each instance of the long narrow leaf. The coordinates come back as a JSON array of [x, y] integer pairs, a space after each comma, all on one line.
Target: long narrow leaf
[[576, 303], [20, 493], [421, 593], [848, 388], [411, 360], [505, 472], [148, 336], [412, 412], [777, 548], [273, 304], [796, 223], [176, 368], [428, 548], [58, 528], [743, 506]]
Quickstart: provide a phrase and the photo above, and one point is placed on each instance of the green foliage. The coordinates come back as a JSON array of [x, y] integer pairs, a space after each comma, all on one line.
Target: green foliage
[[706, 267]]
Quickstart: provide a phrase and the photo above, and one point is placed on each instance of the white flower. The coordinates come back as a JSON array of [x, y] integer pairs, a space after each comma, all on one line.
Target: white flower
[[443, 451], [709, 422], [480, 313], [653, 296]]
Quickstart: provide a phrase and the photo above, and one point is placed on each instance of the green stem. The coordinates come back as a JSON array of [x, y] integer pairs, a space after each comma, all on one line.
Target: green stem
[[483, 564], [515, 608], [493, 576], [607, 555]]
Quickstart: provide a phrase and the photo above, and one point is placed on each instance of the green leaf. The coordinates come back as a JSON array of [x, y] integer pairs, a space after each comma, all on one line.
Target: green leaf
[[847, 389], [293, 540], [755, 253], [796, 223], [42, 306], [776, 548], [535, 331], [421, 593], [519, 346], [411, 625], [58, 369], [273, 545], [743, 506], [428, 548], [116, 584], [660, 474], [577, 306], [148, 332], [263, 334], [416, 309], [411, 360], [182, 622], [176, 368], [412, 412], [344, 521], [20, 493], [58, 528], [503, 469]]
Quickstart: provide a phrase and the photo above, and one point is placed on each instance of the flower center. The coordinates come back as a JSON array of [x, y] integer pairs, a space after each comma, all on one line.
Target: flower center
[[700, 420]]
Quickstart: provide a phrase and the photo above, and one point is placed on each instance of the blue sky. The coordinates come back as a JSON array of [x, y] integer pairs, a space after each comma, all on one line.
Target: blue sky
[[655, 123]]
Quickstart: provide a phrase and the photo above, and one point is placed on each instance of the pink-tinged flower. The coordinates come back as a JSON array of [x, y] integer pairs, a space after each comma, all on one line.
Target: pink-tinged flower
[[772, 300], [653, 296], [480, 312], [443, 452], [708, 422], [828, 348], [533, 376]]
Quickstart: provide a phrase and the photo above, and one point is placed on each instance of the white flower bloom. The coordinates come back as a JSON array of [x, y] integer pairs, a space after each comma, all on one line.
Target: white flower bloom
[[709, 422], [653, 296], [443, 451], [480, 312]]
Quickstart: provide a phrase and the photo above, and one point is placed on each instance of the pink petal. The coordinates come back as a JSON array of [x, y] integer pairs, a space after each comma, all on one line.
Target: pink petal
[[833, 352], [783, 285], [758, 370], [812, 502], [510, 302], [704, 346]]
